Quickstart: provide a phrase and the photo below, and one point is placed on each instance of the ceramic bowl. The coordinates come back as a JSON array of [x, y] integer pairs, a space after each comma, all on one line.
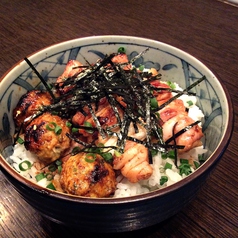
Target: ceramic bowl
[[120, 214]]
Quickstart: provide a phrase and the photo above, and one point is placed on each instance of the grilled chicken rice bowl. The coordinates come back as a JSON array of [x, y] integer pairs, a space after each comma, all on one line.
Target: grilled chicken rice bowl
[[108, 129]]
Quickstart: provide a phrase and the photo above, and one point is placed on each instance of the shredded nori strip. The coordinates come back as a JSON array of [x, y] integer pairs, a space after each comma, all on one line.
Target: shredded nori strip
[[40, 77]]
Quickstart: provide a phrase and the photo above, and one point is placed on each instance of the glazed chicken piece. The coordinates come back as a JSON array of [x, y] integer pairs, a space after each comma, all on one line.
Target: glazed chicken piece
[[173, 109], [46, 137], [88, 175], [29, 104], [72, 69], [105, 115], [120, 59]]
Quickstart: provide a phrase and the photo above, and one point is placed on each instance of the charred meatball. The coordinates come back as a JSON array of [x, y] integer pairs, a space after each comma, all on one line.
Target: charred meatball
[[46, 137], [29, 104], [89, 177]]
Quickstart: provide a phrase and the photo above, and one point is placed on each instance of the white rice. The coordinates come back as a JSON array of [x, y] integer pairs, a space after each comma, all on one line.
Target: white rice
[[124, 187]]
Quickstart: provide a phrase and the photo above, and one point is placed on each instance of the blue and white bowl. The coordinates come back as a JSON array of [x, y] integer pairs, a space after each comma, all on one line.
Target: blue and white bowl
[[117, 214]]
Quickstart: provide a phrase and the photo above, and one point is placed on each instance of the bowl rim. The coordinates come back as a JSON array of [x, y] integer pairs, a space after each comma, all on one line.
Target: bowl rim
[[213, 158]]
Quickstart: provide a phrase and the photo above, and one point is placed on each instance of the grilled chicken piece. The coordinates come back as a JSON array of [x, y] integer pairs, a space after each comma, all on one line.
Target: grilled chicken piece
[[87, 175], [29, 104], [46, 137]]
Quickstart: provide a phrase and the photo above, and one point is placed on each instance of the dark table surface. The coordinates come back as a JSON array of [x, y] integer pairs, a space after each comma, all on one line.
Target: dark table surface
[[207, 29]]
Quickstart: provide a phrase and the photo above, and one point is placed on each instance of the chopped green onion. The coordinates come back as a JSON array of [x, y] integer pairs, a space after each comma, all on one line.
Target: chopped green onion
[[171, 154], [201, 158], [58, 130], [59, 168], [196, 164], [20, 140], [25, 165], [171, 85], [184, 161], [185, 169], [163, 180], [68, 124], [88, 124], [49, 176], [39, 177], [157, 115], [74, 129], [107, 156], [168, 166], [121, 50], [190, 103], [90, 157], [154, 152], [52, 126], [141, 67], [153, 103], [117, 153], [75, 150], [58, 162], [52, 168], [51, 186]]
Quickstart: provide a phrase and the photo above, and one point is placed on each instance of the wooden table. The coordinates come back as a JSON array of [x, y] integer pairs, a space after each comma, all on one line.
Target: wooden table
[[207, 29]]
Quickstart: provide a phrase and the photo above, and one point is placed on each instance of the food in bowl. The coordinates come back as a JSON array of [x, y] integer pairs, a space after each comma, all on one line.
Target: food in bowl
[[116, 214], [108, 129]]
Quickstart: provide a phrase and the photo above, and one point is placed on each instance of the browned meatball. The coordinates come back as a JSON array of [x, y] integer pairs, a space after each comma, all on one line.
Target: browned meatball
[[43, 138], [29, 104], [81, 177]]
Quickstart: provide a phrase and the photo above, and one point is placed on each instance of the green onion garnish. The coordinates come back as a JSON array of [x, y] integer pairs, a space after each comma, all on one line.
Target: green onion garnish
[[141, 67], [51, 186], [75, 150], [184, 161], [168, 166], [163, 180], [74, 129], [52, 126], [20, 140], [25, 165], [171, 154], [154, 103], [49, 176], [58, 162], [201, 158], [59, 168], [196, 164], [88, 124], [121, 50], [154, 152], [190, 103], [90, 157], [171, 85], [107, 156], [185, 169], [68, 124], [117, 153], [39, 177], [52, 168]]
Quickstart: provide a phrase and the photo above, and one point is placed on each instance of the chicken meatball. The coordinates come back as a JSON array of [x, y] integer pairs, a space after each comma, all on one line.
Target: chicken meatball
[[85, 176], [29, 104], [46, 137]]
